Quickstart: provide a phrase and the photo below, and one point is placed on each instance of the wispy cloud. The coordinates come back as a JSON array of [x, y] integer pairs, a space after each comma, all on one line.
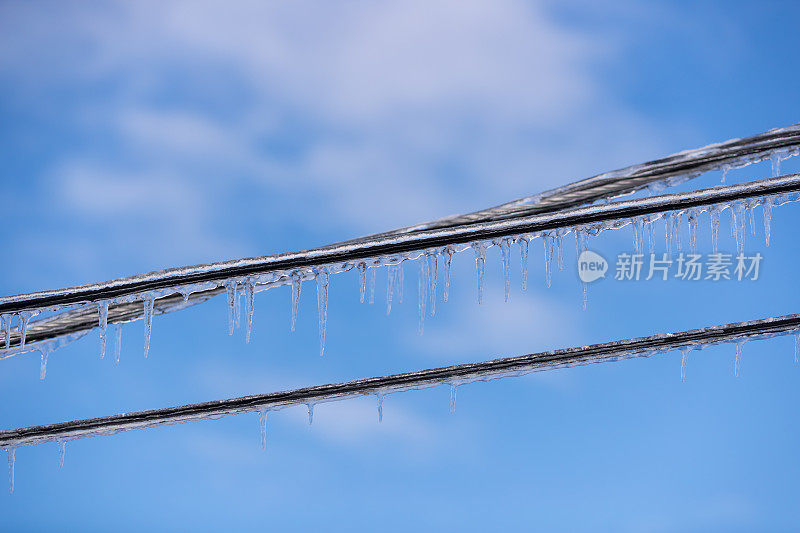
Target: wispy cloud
[[346, 118]]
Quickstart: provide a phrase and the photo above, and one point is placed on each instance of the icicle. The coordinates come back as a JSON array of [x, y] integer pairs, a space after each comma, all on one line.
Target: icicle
[[379, 398], [750, 209], [775, 159], [24, 318], [560, 248], [45, 350], [371, 286], [148, 320], [102, 310], [296, 282], [547, 242], [740, 222], [362, 278], [766, 207], [423, 289], [400, 282], [433, 272], [684, 360], [480, 263], [669, 223], [10, 453], [262, 425], [230, 291], [505, 255], [677, 222], [796, 344], [693, 231], [448, 258], [390, 275], [62, 451], [725, 169], [738, 361], [310, 412], [117, 343], [523, 253], [453, 390], [651, 236], [322, 306], [250, 303], [713, 213], [5, 321], [637, 235]]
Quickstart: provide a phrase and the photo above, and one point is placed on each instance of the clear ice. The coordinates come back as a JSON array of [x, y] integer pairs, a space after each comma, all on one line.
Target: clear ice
[[322, 306], [766, 206], [5, 320], [102, 310], [117, 342], [505, 254], [250, 301], [523, 253], [738, 361], [714, 215], [423, 289], [684, 358], [448, 258], [547, 242], [10, 453], [296, 282], [231, 291], [480, 263], [362, 280], [371, 286], [62, 451], [433, 272], [262, 425], [148, 320], [453, 390], [379, 398]]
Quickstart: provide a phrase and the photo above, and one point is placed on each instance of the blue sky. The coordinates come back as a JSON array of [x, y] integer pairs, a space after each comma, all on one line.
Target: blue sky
[[139, 136]]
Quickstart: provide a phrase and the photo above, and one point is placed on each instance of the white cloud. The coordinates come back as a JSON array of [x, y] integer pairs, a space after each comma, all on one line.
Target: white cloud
[[396, 112], [496, 328]]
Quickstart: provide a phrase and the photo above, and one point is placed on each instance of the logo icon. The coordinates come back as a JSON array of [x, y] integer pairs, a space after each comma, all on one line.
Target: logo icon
[[591, 266]]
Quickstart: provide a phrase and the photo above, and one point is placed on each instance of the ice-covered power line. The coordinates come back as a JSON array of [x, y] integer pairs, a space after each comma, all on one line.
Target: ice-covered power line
[[166, 291], [452, 376], [775, 144]]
